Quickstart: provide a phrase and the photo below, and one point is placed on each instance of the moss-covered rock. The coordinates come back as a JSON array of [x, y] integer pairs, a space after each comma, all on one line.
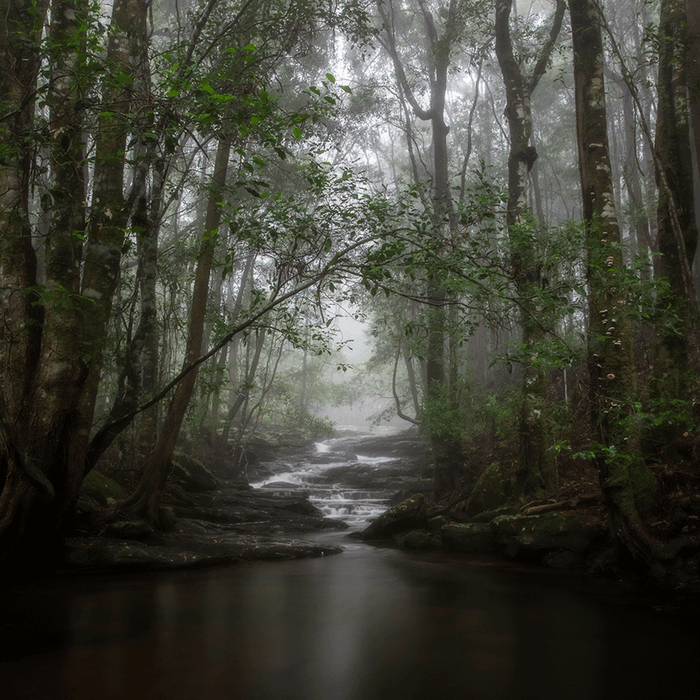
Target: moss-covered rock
[[421, 540], [404, 517], [492, 489], [192, 474], [534, 536], [474, 538], [101, 490]]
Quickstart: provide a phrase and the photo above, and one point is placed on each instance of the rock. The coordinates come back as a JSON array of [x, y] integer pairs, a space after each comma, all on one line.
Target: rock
[[192, 474], [421, 540], [408, 515], [176, 495], [473, 538], [129, 529], [184, 549], [488, 515], [258, 512], [535, 536], [101, 489], [281, 486], [563, 559], [492, 489]]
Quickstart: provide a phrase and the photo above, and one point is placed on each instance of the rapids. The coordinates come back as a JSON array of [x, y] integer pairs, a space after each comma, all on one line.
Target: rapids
[[329, 477]]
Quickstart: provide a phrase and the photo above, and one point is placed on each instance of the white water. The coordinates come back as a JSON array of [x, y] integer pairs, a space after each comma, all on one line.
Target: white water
[[354, 506]]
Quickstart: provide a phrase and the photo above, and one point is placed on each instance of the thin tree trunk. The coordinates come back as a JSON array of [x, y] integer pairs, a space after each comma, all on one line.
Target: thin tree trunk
[[536, 464], [146, 499]]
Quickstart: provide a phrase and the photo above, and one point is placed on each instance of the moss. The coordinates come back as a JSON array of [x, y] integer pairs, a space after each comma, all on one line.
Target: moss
[[492, 489], [644, 485], [544, 532], [422, 540], [102, 489]]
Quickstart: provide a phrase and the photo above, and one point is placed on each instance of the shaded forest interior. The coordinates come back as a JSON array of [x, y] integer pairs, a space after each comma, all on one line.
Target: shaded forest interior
[[197, 196]]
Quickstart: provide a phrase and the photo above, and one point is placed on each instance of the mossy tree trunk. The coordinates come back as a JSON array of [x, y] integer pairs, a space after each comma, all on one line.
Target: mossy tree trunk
[[677, 226], [627, 483], [55, 327]]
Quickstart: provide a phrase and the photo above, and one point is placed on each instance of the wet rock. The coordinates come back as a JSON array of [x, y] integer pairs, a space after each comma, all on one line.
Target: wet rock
[[177, 495], [192, 474], [257, 512], [101, 489], [421, 540], [129, 529], [473, 538], [409, 515], [492, 489], [275, 486], [535, 536], [183, 549]]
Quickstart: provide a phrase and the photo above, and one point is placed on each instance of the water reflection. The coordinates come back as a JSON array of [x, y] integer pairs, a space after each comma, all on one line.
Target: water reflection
[[363, 625]]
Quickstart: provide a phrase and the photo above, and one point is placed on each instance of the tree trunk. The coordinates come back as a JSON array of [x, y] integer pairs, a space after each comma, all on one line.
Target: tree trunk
[[626, 481], [536, 470], [40, 426], [446, 444], [146, 500], [677, 228]]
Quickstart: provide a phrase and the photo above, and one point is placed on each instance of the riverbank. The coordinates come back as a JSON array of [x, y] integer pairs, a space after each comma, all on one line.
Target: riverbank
[[216, 517]]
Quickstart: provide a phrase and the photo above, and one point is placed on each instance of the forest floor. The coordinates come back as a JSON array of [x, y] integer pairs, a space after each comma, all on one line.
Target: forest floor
[[674, 512]]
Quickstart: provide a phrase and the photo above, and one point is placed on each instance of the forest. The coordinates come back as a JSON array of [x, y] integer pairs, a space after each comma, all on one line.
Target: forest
[[195, 193]]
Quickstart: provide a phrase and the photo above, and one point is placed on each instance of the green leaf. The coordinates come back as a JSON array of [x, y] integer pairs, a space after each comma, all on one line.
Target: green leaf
[[331, 77], [297, 132]]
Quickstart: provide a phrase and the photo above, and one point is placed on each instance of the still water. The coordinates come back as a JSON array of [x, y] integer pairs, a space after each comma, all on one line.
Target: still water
[[367, 624]]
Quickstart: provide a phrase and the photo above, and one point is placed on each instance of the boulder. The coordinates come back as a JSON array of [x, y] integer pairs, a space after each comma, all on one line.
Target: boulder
[[128, 529], [102, 490], [536, 536], [421, 540], [492, 489], [404, 517], [192, 474], [473, 538]]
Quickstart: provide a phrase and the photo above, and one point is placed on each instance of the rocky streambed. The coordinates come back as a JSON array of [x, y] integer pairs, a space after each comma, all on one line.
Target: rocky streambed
[[297, 490]]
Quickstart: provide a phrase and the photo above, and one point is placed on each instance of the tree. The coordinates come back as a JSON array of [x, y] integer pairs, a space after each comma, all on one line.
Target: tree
[[441, 42], [626, 481], [59, 325], [677, 225], [536, 465], [57, 307]]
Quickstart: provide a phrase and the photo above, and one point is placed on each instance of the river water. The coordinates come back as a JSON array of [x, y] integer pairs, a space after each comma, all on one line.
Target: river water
[[371, 623], [325, 476]]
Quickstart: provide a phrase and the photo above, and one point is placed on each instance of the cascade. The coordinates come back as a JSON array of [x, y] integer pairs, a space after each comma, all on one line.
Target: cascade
[[342, 484]]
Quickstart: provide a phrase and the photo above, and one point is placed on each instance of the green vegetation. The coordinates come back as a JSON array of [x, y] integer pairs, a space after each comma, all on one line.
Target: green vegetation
[[196, 196]]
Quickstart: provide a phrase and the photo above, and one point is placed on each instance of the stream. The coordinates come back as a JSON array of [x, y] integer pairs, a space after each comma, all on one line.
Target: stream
[[343, 484], [370, 623]]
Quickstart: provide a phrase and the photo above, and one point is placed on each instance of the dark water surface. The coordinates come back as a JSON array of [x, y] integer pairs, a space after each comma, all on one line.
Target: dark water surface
[[366, 624]]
